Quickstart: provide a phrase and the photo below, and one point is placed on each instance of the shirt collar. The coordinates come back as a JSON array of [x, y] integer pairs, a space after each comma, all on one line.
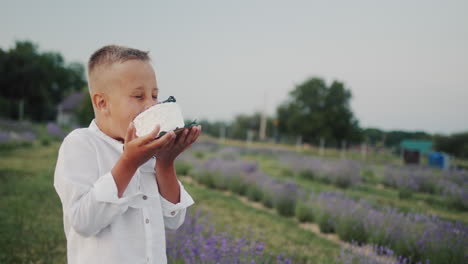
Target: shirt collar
[[113, 142]]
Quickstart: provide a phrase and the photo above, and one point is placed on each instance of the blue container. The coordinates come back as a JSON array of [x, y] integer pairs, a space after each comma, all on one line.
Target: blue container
[[438, 160]]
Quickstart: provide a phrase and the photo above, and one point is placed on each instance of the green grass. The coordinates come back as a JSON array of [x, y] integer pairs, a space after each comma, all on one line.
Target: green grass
[[31, 227], [374, 193]]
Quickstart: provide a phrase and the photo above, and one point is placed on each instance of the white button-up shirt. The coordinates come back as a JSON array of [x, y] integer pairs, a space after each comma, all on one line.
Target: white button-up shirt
[[99, 226]]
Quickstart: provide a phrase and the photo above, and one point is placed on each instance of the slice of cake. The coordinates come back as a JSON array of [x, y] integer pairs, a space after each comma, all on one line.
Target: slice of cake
[[167, 114]]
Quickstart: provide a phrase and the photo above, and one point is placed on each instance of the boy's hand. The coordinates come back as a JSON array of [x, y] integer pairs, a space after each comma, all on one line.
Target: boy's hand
[[138, 150], [169, 152]]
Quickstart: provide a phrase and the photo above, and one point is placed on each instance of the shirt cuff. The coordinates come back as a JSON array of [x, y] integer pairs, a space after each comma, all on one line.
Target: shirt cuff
[[105, 190], [171, 209]]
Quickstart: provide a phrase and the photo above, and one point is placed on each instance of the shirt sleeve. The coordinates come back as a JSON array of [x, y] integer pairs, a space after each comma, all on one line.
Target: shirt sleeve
[[90, 202], [174, 214]]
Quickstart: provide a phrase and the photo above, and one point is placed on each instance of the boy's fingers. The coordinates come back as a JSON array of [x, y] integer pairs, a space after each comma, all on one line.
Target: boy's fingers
[[193, 135], [130, 135], [183, 137], [160, 142], [189, 135], [189, 142], [151, 136], [171, 142], [197, 135]]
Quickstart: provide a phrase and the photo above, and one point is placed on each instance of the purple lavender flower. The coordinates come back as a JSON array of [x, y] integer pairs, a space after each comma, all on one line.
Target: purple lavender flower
[[4, 137], [196, 242], [54, 130]]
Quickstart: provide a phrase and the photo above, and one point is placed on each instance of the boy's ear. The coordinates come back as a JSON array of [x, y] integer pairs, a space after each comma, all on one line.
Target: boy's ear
[[100, 102]]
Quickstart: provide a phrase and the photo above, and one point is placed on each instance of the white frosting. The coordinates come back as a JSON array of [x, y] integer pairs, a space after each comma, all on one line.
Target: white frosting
[[167, 115]]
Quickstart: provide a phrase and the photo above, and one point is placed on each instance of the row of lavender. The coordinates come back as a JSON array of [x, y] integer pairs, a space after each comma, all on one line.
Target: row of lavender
[[373, 254], [14, 132], [417, 237], [450, 184], [197, 242], [345, 173]]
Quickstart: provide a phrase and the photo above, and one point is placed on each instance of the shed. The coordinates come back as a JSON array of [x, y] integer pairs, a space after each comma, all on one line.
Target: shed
[[67, 108], [412, 150]]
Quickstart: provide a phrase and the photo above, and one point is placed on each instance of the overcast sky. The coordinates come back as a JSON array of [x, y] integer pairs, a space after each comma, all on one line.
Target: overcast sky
[[406, 62]]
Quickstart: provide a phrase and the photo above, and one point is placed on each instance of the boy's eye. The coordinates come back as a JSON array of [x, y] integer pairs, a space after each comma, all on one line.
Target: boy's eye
[[138, 96]]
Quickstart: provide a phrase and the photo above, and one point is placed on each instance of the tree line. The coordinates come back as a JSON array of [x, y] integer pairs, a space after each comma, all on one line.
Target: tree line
[[33, 83]]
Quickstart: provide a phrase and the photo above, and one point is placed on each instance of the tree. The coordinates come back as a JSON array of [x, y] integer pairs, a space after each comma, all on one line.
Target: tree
[[243, 123], [315, 110], [35, 82], [85, 112], [456, 144], [213, 128]]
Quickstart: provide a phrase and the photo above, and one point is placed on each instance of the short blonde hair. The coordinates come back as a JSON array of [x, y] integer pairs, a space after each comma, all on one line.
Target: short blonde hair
[[110, 54]]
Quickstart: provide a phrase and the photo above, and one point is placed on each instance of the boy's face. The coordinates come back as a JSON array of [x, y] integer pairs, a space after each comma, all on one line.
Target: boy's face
[[130, 89]]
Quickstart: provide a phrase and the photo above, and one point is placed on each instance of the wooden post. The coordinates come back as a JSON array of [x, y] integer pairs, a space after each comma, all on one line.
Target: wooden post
[[363, 151], [299, 143], [263, 121], [222, 133], [21, 109], [322, 145], [343, 149], [250, 134]]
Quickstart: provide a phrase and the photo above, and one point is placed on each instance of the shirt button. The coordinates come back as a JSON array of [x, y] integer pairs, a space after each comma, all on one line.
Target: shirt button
[[145, 197], [147, 221], [172, 213]]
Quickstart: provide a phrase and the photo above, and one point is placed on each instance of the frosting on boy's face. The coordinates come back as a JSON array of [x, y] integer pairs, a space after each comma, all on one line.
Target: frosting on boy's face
[[130, 88]]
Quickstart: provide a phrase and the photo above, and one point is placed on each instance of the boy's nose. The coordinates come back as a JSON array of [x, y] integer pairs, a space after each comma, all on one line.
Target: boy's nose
[[149, 103]]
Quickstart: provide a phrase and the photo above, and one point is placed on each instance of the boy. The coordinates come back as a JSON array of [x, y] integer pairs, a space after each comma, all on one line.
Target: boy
[[119, 191]]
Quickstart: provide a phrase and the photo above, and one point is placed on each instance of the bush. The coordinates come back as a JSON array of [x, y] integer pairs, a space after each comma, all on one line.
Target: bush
[[307, 174], [405, 193], [267, 199], [45, 141], [368, 176], [206, 178], [304, 212], [14, 144], [254, 193], [351, 228], [199, 155], [287, 172], [457, 203], [285, 196], [343, 181], [326, 223], [219, 182], [183, 168], [285, 207], [325, 179], [237, 185], [428, 186]]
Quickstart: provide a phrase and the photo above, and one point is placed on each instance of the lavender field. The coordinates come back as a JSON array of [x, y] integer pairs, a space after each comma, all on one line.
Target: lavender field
[[257, 204], [218, 228], [417, 214]]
